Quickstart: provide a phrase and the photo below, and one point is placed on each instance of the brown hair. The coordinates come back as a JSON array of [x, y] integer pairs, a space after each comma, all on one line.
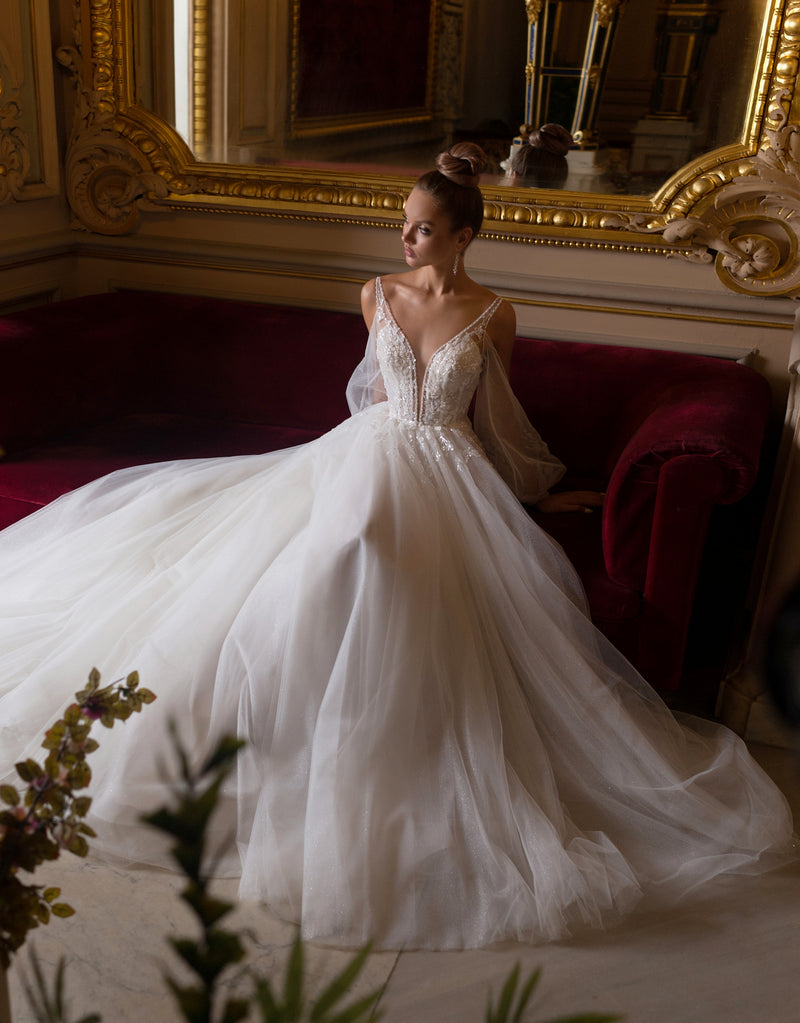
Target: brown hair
[[543, 158], [453, 185]]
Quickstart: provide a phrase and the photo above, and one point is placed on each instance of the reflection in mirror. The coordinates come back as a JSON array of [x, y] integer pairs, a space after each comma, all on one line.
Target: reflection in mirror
[[569, 46], [651, 129], [281, 82], [539, 160]]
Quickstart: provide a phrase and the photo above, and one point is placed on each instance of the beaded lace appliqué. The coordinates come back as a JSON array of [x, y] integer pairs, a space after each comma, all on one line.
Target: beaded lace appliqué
[[450, 377]]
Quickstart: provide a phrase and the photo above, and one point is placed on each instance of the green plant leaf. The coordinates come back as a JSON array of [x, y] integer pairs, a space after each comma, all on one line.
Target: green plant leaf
[[81, 806], [48, 1004], [162, 819], [56, 799], [73, 715], [193, 1001], [45, 1006], [188, 951], [293, 984], [78, 845], [224, 754], [9, 795], [208, 909], [525, 994], [339, 985], [28, 770], [80, 775], [208, 959], [53, 814], [224, 949], [265, 1000], [501, 1013], [189, 856]]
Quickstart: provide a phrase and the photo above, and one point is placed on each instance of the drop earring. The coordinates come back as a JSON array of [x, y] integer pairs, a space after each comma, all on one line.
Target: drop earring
[[455, 264]]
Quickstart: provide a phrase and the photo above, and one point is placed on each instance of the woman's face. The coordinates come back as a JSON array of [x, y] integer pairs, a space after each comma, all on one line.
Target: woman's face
[[428, 238]]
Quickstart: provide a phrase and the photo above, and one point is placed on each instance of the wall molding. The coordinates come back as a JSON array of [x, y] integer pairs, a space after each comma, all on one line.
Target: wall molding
[[29, 157], [15, 155]]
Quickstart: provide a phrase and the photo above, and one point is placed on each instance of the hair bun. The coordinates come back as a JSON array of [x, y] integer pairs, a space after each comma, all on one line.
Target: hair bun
[[552, 138], [462, 163]]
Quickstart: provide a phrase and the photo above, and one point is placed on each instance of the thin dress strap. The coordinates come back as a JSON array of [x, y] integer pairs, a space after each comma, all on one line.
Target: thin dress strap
[[379, 297], [479, 323], [485, 319]]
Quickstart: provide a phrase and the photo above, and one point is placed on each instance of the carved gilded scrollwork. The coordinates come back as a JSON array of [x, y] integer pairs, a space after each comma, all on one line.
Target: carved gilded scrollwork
[[533, 9], [107, 171], [751, 231], [783, 81], [105, 178], [15, 160]]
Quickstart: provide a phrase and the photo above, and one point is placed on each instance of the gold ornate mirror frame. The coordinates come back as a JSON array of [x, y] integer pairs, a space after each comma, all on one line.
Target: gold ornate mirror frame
[[737, 205]]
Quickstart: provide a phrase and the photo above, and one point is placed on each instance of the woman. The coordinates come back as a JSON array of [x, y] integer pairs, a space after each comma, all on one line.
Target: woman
[[442, 751]]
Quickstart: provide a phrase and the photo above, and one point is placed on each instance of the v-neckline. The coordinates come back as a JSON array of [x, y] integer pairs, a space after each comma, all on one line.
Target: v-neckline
[[435, 352]]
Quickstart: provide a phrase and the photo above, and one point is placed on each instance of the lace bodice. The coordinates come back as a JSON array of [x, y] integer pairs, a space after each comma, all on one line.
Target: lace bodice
[[441, 396], [466, 365]]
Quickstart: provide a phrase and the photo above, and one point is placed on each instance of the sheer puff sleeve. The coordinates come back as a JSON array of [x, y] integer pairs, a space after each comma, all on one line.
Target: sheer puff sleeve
[[365, 386], [514, 447]]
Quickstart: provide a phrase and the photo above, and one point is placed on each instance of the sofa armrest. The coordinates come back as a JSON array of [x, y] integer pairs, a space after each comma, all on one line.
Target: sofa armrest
[[720, 423], [677, 541]]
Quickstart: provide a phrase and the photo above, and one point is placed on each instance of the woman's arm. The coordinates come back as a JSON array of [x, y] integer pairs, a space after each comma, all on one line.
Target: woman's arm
[[502, 332], [365, 386]]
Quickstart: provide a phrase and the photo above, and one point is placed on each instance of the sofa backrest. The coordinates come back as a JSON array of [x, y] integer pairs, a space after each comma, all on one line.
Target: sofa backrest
[[102, 356], [245, 361], [588, 400]]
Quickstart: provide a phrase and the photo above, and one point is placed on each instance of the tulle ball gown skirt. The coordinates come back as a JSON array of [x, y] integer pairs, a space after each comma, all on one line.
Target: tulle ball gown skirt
[[442, 751]]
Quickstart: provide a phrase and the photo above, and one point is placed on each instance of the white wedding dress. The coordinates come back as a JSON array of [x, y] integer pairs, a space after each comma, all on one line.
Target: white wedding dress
[[442, 750]]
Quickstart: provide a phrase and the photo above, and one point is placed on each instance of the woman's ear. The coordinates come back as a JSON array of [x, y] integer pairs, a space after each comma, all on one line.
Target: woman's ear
[[464, 238]]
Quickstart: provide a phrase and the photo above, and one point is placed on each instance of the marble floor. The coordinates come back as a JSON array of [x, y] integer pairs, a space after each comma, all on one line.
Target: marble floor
[[734, 957]]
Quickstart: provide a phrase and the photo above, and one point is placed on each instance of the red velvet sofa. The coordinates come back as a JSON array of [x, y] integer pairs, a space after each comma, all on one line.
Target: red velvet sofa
[[105, 381]]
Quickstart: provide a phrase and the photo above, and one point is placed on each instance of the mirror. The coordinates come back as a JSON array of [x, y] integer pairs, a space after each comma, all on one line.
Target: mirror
[[332, 163], [671, 82]]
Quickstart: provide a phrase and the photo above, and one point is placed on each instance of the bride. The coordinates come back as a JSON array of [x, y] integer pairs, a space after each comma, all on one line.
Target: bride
[[442, 751]]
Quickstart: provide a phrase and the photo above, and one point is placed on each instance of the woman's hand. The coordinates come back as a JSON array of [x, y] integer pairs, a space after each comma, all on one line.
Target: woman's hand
[[571, 501]]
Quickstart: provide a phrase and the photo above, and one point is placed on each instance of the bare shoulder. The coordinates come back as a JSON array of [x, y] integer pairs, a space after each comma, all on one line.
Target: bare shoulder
[[399, 283], [504, 318]]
